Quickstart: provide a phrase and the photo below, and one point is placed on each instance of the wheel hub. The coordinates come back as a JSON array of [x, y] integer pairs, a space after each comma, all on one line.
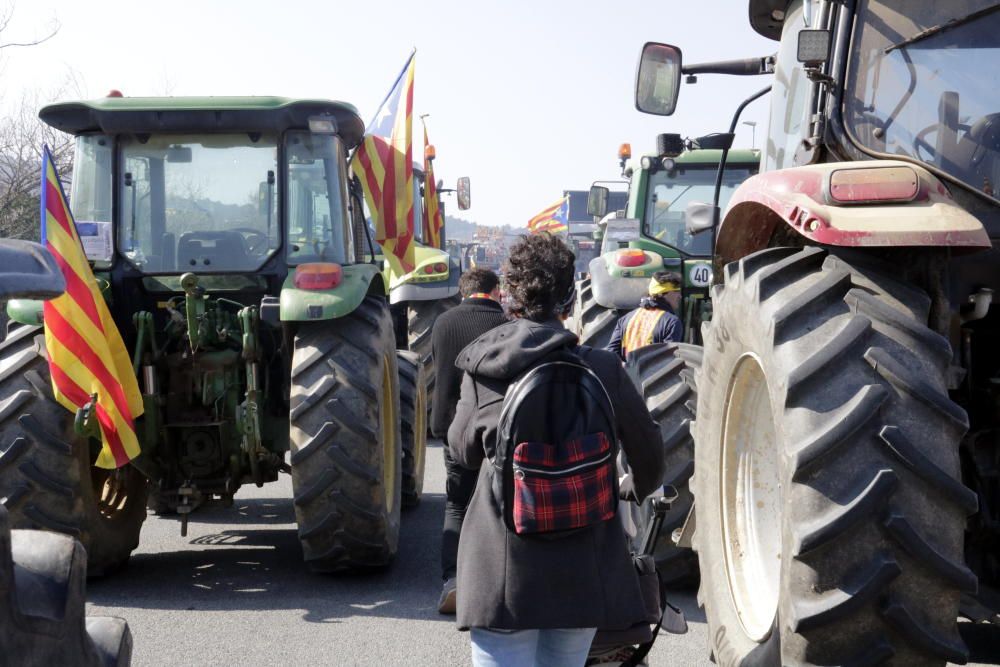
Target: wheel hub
[[751, 499]]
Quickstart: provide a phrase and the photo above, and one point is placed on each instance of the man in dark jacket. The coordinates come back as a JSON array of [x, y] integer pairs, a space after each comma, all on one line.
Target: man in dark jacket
[[654, 321], [479, 312], [527, 600]]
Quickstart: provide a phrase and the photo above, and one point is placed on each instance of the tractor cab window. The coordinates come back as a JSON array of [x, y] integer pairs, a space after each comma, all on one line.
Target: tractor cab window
[[670, 192], [923, 84], [318, 226], [201, 203]]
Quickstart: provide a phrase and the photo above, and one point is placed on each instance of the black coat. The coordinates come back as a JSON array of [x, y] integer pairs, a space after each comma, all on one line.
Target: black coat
[[453, 330], [582, 580]]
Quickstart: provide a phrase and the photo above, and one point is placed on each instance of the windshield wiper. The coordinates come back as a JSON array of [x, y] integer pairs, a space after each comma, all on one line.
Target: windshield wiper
[[941, 27]]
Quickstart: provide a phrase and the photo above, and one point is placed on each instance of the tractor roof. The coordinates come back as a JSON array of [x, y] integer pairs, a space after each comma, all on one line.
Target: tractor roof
[[767, 17], [200, 114], [712, 157]]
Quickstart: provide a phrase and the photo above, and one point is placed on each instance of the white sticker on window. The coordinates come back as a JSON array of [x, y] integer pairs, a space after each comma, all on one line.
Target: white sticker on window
[[96, 239]]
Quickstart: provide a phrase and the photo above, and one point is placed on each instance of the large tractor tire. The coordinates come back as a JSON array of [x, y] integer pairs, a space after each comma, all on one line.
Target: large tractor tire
[[664, 375], [423, 314], [47, 477], [830, 511], [345, 437], [43, 584], [594, 323], [413, 424]]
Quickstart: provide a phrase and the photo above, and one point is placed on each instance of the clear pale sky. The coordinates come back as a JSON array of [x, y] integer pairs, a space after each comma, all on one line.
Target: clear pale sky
[[526, 98]]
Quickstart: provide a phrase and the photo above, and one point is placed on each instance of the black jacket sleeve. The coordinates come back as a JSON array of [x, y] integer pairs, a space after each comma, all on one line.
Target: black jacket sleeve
[[465, 438]]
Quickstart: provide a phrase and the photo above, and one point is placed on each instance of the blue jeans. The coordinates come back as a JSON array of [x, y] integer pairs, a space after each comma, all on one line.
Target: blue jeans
[[531, 648]]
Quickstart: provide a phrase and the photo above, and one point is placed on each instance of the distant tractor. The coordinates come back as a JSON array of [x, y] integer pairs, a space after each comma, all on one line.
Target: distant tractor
[[232, 250], [847, 439], [651, 235], [417, 298]]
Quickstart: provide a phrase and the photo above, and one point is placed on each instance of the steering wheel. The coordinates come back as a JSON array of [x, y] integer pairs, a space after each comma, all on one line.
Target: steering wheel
[[255, 239], [920, 141]]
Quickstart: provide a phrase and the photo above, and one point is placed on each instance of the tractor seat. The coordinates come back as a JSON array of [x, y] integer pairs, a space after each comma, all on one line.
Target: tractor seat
[[217, 251]]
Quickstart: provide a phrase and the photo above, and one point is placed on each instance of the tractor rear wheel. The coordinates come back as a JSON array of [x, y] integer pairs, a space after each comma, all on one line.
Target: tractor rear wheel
[[47, 477], [345, 437], [413, 424], [43, 583], [664, 375], [423, 314], [830, 508], [594, 323]]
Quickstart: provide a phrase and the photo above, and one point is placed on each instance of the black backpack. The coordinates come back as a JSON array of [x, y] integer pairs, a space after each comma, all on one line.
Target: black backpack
[[554, 471]]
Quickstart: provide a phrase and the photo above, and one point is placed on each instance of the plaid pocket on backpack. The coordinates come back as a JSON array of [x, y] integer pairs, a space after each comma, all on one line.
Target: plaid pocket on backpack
[[565, 486]]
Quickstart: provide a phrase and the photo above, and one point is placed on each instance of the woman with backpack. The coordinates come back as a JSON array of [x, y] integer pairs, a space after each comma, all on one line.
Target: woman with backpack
[[543, 560]]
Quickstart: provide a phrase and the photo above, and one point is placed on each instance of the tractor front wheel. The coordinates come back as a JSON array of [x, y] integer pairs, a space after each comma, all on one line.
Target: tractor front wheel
[[423, 315], [345, 436], [829, 503], [47, 477], [593, 322], [413, 424], [664, 375]]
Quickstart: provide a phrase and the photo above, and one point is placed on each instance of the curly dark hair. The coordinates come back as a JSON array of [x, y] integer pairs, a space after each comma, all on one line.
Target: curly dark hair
[[539, 276], [477, 280]]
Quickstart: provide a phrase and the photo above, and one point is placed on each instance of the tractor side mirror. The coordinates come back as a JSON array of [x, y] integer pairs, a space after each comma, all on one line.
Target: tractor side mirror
[[658, 80], [700, 217], [463, 192], [28, 271], [597, 201]]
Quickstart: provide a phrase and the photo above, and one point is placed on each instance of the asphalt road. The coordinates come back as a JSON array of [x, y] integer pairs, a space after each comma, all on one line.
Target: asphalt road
[[235, 592]]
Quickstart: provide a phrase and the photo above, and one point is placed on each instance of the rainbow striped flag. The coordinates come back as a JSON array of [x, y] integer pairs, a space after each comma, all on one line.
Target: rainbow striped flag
[[87, 357], [432, 222], [384, 163], [553, 219]]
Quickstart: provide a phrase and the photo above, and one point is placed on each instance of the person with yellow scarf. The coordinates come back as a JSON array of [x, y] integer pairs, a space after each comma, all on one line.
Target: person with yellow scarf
[[654, 321]]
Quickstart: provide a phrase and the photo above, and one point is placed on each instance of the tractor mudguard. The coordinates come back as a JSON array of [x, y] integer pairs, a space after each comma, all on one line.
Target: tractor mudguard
[[417, 288], [424, 282], [310, 305], [801, 199], [617, 291], [25, 311]]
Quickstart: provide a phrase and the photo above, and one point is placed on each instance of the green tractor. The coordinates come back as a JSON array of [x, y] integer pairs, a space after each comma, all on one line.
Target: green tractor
[[651, 235], [419, 297], [656, 234], [235, 259], [847, 443]]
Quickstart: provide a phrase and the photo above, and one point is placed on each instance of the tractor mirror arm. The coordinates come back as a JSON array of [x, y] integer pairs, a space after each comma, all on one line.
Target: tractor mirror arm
[[742, 67]]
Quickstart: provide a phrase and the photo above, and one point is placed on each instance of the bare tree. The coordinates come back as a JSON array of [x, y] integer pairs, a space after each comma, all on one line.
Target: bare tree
[[22, 136]]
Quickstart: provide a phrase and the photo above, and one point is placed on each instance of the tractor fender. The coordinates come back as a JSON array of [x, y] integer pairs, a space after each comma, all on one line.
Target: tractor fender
[[798, 200], [311, 305], [615, 292]]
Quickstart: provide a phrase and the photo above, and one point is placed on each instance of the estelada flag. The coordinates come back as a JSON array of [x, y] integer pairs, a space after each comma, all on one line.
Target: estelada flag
[[384, 163], [552, 219], [432, 219], [86, 354]]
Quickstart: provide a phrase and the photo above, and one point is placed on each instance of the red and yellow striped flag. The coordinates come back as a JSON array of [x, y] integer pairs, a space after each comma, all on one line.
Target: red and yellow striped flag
[[384, 163], [432, 222], [85, 350], [552, 219]]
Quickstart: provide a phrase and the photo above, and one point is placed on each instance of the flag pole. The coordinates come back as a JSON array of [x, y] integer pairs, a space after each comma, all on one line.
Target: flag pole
[[395, 83]]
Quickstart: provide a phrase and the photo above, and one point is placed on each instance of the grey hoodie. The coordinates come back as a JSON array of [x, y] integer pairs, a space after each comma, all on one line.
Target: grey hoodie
[[583, 580]]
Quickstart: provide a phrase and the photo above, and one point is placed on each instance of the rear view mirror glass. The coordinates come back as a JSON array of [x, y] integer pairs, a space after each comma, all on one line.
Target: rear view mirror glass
[[464, 193], [597, 201], [658, 80]]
